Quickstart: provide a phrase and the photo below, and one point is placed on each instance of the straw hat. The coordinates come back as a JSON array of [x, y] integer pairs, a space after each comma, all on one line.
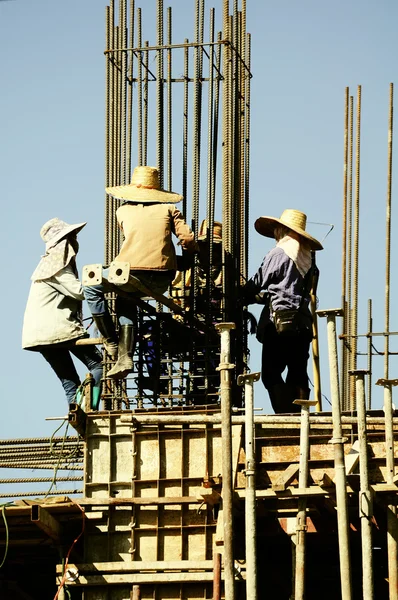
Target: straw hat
[[291, 218], [144, 187], [217, 232], [55, 230]]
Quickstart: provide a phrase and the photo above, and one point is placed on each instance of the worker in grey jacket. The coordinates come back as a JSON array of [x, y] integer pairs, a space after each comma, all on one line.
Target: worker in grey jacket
[[53, 316]]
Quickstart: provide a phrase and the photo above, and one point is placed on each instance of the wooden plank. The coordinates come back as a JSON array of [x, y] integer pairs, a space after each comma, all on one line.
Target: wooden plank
[[148, 578], [148, 501], [286, 477], [139, 566], [386, 488], [352, 458], [46, 522], [290, 492]]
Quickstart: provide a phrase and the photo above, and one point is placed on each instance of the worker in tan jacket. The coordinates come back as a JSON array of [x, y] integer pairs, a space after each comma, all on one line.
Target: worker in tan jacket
[[148, 217]]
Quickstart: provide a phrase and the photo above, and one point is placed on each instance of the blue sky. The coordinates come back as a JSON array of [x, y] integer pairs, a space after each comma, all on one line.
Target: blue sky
[[52, 151]]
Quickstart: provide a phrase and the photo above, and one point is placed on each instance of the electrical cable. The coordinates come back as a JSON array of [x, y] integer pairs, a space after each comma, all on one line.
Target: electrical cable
[[62, 584], [3, 514]]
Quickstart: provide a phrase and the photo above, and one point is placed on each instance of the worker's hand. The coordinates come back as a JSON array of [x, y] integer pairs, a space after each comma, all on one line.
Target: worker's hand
[[185, 261]]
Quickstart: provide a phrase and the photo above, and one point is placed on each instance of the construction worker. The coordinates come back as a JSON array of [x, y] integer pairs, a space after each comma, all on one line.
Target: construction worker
[[53, 312], [181, 286], [285, 279], [147, 218]]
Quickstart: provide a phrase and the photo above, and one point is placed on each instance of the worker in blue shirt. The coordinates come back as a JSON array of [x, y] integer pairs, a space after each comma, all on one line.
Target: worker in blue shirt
[[283, 283]]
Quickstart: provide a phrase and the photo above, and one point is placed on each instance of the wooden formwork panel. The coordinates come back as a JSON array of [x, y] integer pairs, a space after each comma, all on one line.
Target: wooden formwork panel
[[184, 591], [152, 462]]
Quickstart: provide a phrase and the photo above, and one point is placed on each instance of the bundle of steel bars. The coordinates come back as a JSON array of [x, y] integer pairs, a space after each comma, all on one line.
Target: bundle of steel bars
[[157, 114]]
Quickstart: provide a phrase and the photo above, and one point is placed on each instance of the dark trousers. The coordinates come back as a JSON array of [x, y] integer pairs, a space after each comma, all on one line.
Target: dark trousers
[[281, 352], [60, 359]]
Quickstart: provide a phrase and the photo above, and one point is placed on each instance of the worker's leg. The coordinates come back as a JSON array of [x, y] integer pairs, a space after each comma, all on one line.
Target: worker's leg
[[91, 357], [61, 362], [272, 367], [126, 311], [95, 297], [297, 353]]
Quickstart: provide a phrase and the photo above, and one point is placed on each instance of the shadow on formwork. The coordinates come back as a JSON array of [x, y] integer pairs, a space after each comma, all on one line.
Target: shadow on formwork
[[175, 495]]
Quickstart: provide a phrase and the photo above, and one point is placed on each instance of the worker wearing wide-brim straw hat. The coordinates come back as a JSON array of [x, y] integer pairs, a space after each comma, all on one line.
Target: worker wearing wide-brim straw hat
[[285, 279], [147, 217]]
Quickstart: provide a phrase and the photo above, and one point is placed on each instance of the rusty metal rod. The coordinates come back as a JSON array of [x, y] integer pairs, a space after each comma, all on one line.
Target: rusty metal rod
[[354, 319]]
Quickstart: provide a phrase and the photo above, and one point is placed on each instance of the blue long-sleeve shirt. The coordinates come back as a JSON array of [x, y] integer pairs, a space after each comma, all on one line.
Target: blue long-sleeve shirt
[[279, 277]]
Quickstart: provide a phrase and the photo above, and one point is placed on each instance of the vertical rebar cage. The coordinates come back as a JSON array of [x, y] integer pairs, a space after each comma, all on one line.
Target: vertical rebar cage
[[183, 106]]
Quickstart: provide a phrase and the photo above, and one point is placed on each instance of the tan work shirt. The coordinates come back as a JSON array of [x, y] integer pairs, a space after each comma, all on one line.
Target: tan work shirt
[[147, 230]]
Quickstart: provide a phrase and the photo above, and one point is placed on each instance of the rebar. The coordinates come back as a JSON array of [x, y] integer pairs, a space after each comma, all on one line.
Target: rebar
[[123, 90], [139, 88], [146, 106], [354, 318], [343, 379], [169, 102], [388, 234], [392, 528], [347, 400], [130, 78], [159, 93]]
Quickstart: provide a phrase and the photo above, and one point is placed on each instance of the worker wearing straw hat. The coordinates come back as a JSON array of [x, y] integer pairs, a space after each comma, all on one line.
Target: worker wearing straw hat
[[148, 217], [285, 279]]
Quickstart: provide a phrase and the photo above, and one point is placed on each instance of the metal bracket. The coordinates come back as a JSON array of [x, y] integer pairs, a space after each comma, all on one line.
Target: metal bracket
[[248, 378], [341, 440], [224, 366], [92, 275], [119, 272]]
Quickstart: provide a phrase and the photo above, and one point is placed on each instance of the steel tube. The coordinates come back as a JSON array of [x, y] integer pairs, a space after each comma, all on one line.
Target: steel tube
[[217, 576], [227, 483], [339, 465], [365, 494], [370, 354], [250, 499], [301, 524], [266, 419]]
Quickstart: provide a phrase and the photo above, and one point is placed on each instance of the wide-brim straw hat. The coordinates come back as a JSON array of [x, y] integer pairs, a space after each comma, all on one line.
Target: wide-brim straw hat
[[144, 187], [55, 230], [217, 232], [291, 218]]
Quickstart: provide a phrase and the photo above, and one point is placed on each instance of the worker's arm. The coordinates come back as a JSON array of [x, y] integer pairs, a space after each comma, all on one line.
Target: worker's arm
[[183, 232], [67, 283]]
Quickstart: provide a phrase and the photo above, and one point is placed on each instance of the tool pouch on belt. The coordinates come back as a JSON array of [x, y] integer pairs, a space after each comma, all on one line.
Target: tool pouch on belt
[[288, 322]]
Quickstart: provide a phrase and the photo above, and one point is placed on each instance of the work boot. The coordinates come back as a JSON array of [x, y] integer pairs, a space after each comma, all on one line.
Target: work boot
[[96, 396], [124, 363], [107, 329]]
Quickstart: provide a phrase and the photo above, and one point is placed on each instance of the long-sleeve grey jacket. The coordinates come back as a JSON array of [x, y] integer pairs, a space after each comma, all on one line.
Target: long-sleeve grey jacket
[[52, 313]]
